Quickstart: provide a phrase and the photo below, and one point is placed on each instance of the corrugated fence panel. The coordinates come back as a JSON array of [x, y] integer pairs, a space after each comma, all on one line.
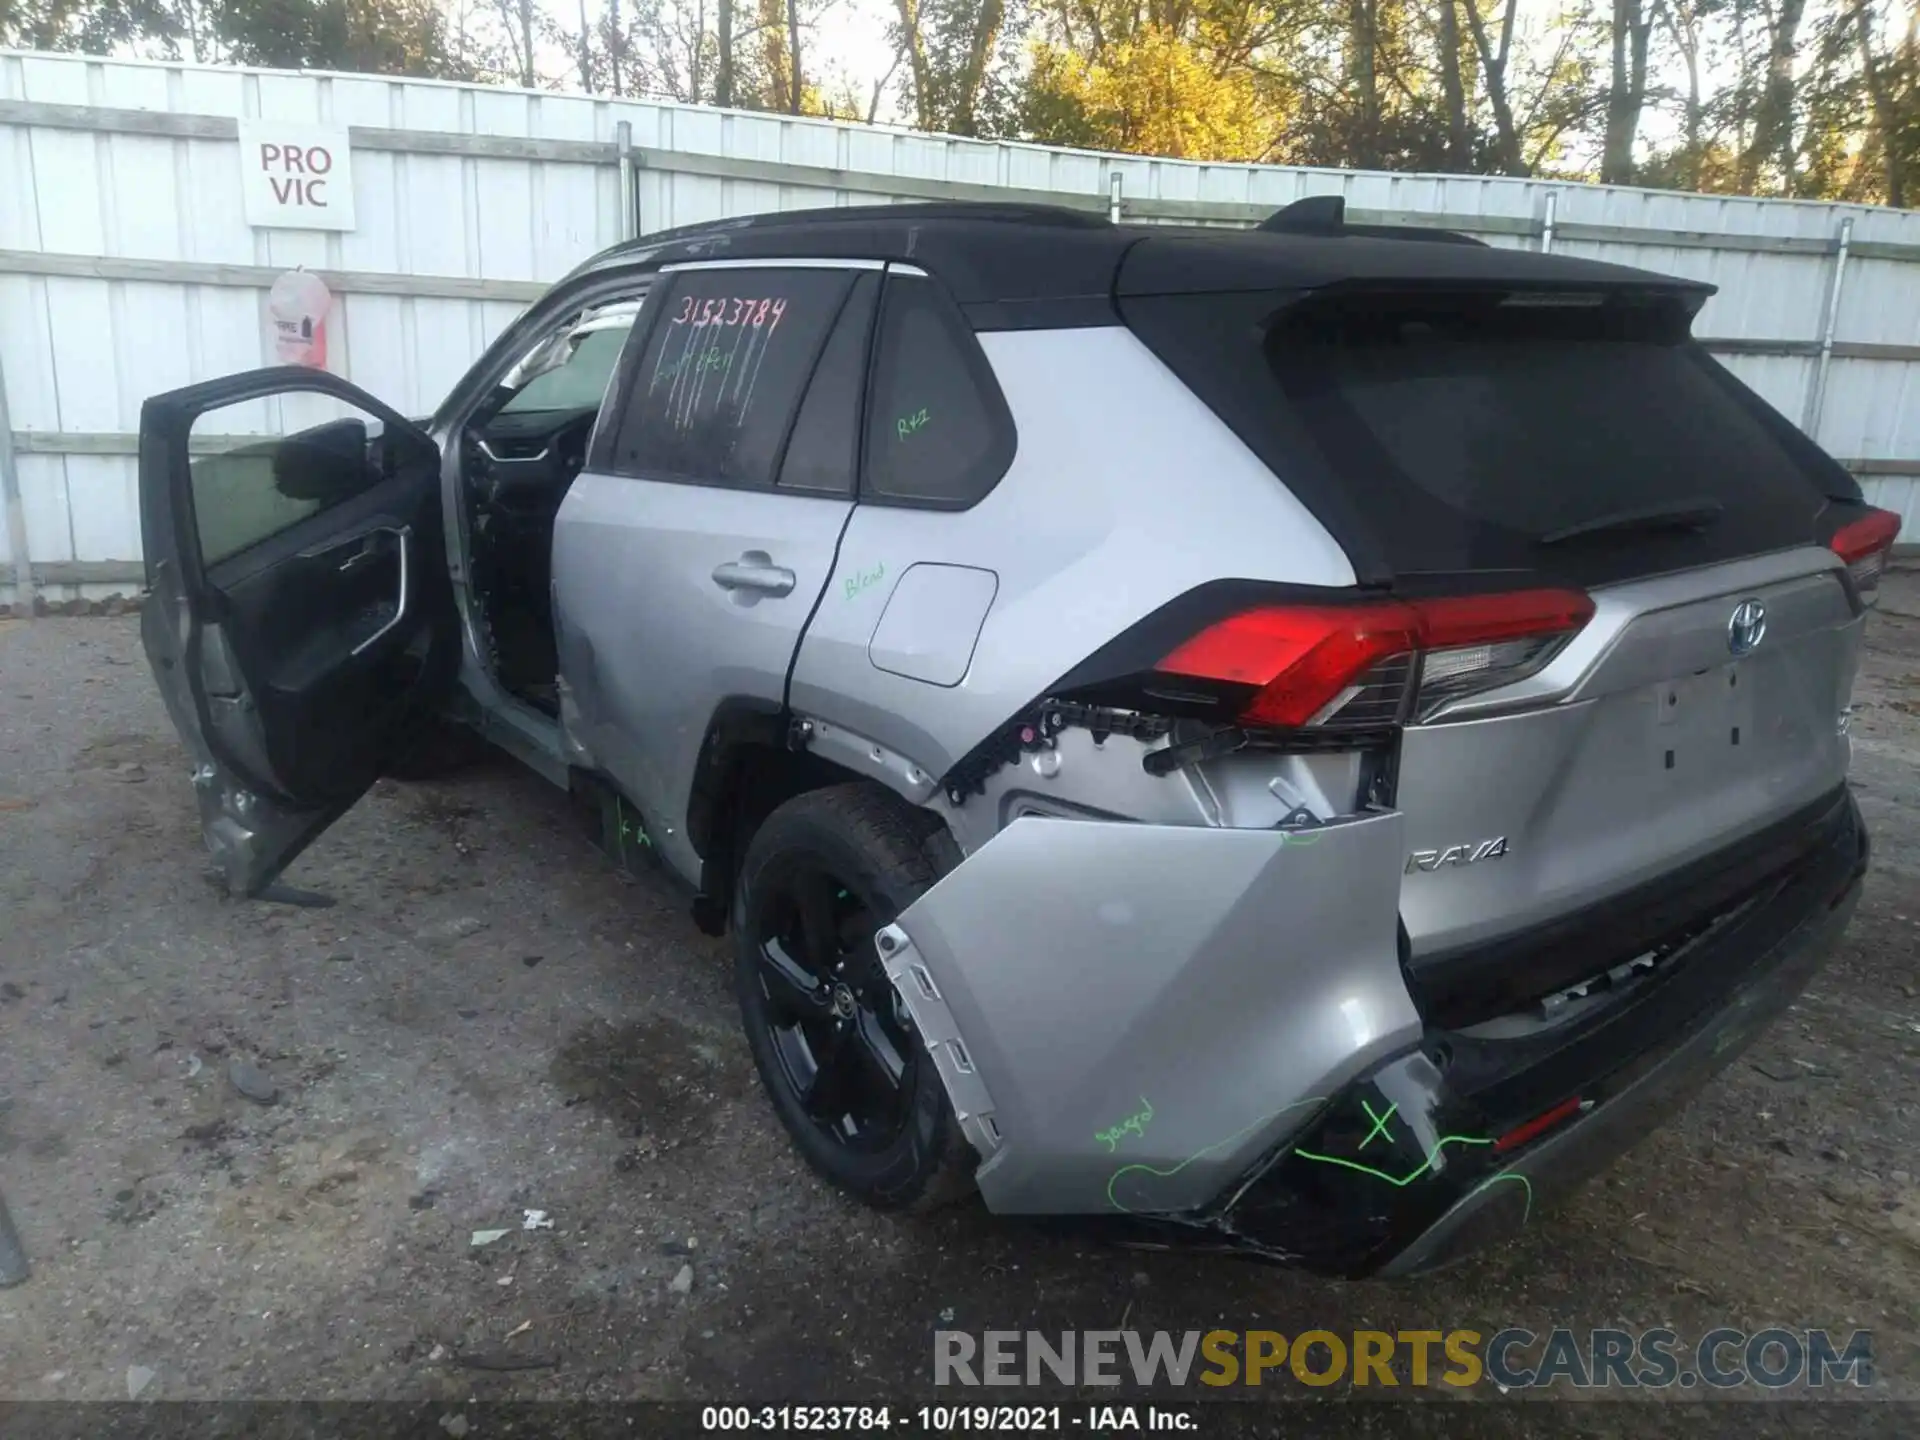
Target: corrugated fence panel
[[1872, 411], [1781, 380], [444, 221], [1899, 494]]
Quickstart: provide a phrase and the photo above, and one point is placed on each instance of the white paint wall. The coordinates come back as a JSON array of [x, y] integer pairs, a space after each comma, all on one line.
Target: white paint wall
[[80, 354]]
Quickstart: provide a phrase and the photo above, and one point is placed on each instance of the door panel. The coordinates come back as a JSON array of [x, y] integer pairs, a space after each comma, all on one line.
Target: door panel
[[673, 600], [691, 554], [301, 625]]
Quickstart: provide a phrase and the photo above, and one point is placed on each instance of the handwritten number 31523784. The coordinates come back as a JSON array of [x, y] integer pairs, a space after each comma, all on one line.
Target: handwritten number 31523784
[[730, 310]]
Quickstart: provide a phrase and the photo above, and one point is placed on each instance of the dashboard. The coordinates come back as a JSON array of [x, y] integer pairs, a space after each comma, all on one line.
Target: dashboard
[[520, 463]]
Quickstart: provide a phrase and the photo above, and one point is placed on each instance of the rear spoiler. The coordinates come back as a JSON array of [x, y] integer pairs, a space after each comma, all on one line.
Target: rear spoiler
[[1297, 251]]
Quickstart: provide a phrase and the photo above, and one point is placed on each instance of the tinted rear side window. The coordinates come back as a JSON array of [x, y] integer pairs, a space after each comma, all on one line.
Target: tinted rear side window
[[938, 431], [823, 456], [716, 388], [1464, 433]]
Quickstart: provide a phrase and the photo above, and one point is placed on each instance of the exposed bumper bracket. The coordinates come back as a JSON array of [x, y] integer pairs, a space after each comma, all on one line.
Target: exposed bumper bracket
[[941, 1033]]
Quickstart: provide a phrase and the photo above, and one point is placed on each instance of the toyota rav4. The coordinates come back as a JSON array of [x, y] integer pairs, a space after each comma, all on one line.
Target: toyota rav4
[[1305, 740]]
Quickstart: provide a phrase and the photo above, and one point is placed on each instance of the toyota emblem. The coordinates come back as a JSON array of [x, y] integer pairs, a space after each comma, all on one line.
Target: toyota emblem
[[1747, 627]]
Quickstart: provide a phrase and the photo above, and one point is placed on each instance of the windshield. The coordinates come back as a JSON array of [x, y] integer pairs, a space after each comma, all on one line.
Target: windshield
[[579, 383]]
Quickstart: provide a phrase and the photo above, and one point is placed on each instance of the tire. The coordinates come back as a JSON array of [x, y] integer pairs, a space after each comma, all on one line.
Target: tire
[[898, 1149]]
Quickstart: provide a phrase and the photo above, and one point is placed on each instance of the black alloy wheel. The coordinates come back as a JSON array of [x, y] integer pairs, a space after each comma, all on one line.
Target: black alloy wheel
[[837, 1051], [841, 1037]]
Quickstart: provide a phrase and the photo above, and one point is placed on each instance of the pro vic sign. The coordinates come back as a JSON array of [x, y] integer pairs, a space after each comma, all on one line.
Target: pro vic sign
[[296, 176]]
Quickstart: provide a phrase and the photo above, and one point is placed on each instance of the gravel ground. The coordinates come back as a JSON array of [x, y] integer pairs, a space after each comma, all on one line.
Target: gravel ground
[[492, 1021]]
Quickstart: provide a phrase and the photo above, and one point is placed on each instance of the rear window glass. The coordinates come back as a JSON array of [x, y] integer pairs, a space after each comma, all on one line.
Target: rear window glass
[[714, 393], [1463, 430], [1527, 419]]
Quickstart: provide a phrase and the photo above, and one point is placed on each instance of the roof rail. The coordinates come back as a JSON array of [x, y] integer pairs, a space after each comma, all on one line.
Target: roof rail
[[997, 211], [1327, 215], [1010, 212]]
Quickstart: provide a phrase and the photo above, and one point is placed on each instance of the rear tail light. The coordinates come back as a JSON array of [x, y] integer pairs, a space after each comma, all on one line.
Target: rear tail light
[[1865, 544], [1370, 665]]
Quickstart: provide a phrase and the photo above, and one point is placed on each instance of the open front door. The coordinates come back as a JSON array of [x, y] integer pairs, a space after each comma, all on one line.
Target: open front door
[[300, 622]]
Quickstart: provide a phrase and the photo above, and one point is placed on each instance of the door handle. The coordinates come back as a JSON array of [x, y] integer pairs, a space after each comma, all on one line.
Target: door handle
[[365, 555], [754, 571], [405, 532]]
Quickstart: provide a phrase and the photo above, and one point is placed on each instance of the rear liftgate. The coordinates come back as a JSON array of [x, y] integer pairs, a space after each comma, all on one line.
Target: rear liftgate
[[1128, 1017]]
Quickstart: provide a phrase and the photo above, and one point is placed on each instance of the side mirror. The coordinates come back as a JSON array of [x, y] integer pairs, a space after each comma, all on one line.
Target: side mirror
[[327, 463]]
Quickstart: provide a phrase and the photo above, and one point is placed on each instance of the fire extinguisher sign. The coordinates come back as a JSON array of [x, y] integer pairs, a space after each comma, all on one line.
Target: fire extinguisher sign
[[296, 176]]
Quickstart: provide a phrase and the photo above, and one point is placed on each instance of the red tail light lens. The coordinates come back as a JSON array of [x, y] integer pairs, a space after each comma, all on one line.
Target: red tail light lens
[[1352, 665], [1298, 658], [1865, 544]]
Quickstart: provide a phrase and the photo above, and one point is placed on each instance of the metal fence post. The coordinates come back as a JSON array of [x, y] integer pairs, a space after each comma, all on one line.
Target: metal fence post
[[1829, 322], [1546, 223], [629, 190], [24, 590], [1114, 183]]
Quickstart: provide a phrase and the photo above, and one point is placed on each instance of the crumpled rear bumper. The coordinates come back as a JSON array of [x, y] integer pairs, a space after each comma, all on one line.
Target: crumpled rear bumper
[[1201, 1037], [1128, 1016]]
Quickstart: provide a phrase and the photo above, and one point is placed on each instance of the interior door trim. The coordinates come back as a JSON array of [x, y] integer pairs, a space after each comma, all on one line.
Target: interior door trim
[[166, 423], [405, 532]]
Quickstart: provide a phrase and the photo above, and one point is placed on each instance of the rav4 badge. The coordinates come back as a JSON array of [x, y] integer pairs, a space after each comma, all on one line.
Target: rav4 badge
[[1469, 854]]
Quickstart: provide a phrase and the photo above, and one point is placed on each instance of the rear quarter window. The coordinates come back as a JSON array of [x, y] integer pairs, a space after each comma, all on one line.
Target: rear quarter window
[[939, 433]]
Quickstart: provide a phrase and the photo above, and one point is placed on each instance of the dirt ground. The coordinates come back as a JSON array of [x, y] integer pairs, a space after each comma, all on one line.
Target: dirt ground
[[491, 1020]]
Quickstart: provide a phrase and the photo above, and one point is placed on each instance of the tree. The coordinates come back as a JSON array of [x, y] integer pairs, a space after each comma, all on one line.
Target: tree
[[1453, 84], [1772, 138], [1627, 94], [1684, 21], [1153, 92], [1814, 98], [616, 42], [665, 49], [950, 46], [387, 37], [795, 85], [516, 21], [584, 52], [1493, 69], [1206, 79], [1892, 84], [1363, 78]]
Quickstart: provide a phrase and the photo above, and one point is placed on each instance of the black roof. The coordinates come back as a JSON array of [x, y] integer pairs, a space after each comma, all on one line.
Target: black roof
[[1021, 264]]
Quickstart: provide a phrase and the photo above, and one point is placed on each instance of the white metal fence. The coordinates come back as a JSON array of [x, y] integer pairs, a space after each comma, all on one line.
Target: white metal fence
[[127, 265]]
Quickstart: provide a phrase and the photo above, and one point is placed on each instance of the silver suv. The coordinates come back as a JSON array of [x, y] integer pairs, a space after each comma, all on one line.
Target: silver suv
[[1303, 740]]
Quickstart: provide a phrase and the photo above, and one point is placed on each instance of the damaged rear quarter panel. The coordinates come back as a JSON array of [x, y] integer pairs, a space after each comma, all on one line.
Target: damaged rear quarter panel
[[1152, 1007]]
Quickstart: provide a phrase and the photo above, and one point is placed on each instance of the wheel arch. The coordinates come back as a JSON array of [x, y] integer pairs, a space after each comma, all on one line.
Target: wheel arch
[[755, 757]]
